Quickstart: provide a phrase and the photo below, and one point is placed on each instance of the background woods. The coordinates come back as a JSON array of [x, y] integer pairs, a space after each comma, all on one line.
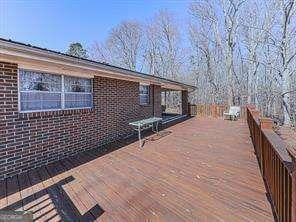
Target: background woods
[[234, 51]]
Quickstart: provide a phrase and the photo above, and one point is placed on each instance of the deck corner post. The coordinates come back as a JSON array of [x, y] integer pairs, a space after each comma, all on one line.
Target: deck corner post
[[255, 113], [292, 153], [266, 123], [251, 107]]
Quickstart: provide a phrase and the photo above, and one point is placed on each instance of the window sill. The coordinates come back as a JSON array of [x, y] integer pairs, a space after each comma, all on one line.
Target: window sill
[[147, 104], [48, 113]]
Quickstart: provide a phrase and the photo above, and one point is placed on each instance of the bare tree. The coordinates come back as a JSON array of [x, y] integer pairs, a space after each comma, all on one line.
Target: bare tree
[[238, 52], [122, 47], [163, 52], [253, 42], [231, 10], [287, 52], [214, 34], [205, 47]]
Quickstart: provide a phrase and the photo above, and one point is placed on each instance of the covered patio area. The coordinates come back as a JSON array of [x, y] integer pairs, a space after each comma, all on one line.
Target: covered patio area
[[174, 104], [193, 171]]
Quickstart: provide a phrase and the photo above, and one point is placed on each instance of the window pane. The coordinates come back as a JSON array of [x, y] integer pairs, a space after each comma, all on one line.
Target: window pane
[[144, 89], [36, 81], [43, 91], [144, 94], [78, 100], [26, 106], [144, 99], [40, 101], [75, 84]]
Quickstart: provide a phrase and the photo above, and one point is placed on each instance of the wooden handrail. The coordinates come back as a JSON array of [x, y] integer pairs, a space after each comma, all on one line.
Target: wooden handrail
[[276, 165]]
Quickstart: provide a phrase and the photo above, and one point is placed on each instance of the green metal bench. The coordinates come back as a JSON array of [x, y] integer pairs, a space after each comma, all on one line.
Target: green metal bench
[[146, 124]]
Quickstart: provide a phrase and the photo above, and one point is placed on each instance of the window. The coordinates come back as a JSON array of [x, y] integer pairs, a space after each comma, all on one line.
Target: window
[[144, 94], [43, 91], [78, 92], [40, 91]]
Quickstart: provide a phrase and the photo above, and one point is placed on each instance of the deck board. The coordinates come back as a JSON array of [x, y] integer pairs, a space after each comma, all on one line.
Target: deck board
[[202, 169], [27, 193], [58, 180], [3, 194], [13, 194]]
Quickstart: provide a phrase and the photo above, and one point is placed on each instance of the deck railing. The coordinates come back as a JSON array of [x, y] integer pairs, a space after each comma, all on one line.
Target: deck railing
[[277, 165], [211, 110]]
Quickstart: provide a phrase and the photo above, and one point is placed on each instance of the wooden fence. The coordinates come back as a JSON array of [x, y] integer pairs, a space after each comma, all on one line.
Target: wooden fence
[[211, 110], [277, 165]]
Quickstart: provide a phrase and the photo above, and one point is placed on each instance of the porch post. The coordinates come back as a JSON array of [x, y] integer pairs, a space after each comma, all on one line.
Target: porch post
[[184, 98]]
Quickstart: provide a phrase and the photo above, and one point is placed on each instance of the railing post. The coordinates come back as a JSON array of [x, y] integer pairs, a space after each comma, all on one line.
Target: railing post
[[189, 110], [251, 107], [256, 115], [292, 153], [265, 124], [215, 111]]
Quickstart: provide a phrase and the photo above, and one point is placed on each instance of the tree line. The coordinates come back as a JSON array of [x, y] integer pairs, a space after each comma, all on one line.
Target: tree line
[[236, 52]]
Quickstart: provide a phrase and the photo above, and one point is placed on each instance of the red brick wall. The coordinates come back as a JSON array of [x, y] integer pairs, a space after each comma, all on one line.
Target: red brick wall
[[29, 140]]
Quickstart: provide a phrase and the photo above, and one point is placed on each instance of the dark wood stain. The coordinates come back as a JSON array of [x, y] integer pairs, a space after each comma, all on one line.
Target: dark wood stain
[[204, 169]]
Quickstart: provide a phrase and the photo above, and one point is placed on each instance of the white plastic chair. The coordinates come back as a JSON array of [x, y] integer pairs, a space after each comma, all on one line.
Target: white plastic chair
[[233, 113]]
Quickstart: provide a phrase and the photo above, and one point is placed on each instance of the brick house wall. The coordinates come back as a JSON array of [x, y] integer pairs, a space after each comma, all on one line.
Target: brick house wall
[[29, 140]]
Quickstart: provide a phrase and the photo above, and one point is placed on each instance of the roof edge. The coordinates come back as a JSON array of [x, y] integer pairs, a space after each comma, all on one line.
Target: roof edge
[[7, 43]]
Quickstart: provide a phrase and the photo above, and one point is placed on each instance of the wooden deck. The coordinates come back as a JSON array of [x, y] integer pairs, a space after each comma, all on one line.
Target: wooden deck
[[198, 170]]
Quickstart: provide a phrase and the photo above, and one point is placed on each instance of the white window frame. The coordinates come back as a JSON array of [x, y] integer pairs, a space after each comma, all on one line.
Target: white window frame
[[62, 93], [144, 94]]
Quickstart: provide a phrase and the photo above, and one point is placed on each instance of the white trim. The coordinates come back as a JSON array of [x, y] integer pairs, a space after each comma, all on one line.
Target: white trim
[[18, 90], [39, 91], [59, 72], [63, 94], [144, 84], [78, 92], [144, 94], [54, 110], [18, 53]]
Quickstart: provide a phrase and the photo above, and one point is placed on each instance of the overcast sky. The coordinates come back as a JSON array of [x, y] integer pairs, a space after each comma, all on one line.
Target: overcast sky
[[54, 24]]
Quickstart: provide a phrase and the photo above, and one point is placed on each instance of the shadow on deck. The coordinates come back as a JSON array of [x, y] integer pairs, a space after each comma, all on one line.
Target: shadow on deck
[[202, 169]]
